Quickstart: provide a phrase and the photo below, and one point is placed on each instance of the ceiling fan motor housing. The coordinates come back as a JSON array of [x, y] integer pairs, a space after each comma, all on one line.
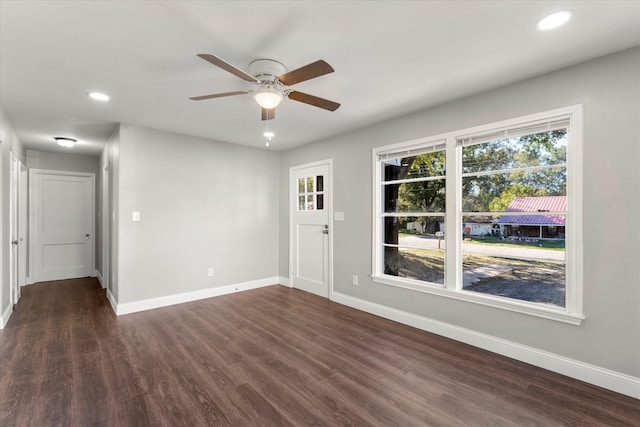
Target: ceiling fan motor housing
[[266, 70]]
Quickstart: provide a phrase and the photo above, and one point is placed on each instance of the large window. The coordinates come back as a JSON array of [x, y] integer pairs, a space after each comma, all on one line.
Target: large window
[[489, 215]]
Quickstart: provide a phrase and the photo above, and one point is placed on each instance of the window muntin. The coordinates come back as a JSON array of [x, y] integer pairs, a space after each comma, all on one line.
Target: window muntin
[[534, 156], [311, 193]]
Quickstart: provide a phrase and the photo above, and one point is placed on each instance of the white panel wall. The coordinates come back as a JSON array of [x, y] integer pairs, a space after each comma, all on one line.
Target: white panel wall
[[609, 89], [202, 204]]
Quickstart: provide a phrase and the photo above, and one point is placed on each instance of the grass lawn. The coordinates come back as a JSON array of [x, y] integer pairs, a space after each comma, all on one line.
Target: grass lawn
[[534, 281], [554, 245]]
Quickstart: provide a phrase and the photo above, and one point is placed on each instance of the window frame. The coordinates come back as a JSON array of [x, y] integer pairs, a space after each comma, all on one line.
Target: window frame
[[572, 313]]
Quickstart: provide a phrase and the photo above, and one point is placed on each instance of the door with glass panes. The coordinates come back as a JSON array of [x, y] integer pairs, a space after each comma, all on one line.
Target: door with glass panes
[[310, 228]]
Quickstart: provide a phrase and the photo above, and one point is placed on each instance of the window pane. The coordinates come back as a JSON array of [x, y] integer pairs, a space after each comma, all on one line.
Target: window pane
[[494, 193], [419, 232], [301, 186], [419, 264], [421, 166], [515, 259], [423, 196], [320, 183], [540, 149], [320, 202], [310, 202], [310, 184], [300, 203], [414, 247]]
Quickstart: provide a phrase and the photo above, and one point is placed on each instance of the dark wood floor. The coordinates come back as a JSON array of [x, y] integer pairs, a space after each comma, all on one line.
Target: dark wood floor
[[273, 357]]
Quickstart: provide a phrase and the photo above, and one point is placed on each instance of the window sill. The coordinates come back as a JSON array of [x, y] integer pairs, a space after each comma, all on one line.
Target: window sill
[[523, 307]]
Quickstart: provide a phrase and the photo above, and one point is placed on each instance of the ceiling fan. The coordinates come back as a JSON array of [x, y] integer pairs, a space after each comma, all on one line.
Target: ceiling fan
[[272, 83]]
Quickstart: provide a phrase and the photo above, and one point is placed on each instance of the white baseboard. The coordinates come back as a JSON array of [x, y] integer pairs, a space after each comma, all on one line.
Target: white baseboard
[[99, 276], [112, 301], [284, 281], [6, 314], [611, 380], [149, 304]]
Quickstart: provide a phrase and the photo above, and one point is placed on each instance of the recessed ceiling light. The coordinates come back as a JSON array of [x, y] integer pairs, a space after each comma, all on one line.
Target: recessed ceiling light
[[99, 96], [65, 142], [269, 134], [554, 20]]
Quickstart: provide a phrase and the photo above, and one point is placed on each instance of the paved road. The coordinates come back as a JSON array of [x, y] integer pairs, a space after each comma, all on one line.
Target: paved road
[[427, 242]]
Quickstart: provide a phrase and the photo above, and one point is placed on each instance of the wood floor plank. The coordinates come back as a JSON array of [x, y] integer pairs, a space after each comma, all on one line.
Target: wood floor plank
[[268, 357]]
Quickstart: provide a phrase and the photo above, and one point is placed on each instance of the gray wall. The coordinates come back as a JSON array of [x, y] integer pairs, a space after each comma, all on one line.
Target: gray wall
[[608, 88], [63, 162], [202, 204], [110, 159], [9, 144]]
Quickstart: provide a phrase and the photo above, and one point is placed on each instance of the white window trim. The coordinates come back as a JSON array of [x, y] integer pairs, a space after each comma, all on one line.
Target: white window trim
[[573, 312]]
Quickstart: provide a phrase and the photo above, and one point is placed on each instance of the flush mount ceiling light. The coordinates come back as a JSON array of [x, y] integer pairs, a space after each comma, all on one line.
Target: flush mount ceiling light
[[65, 142], [99, 96], [267, 97], [554, 20]]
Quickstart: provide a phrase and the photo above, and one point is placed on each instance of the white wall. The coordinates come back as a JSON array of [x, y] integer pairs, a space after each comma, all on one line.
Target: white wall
[[609, 89], [202, 204], [9, 144]]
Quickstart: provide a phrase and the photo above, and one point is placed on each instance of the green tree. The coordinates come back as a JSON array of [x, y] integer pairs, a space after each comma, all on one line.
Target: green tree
[[542, 151]]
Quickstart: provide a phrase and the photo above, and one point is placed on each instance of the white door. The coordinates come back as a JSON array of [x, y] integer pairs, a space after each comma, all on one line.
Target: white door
[[62, 211], [14, 261], [310, 228]]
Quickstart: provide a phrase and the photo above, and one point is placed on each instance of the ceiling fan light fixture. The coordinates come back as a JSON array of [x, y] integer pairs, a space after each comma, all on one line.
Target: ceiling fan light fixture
[[65, 142], [267, 98]]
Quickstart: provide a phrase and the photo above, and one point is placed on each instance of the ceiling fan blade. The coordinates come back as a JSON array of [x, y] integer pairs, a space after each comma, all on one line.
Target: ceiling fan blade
[[268, 113], [313, 100], [308, 72], [227, 67], [219, 95]]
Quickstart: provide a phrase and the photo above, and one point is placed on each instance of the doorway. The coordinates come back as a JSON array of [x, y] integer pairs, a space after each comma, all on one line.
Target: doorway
[[62, 213], [311, 242]]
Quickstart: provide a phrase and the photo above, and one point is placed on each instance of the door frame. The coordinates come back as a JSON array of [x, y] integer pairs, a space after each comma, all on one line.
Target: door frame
[[23, 218], [105, 218], [329, 206], [33, 191], [14, 229]]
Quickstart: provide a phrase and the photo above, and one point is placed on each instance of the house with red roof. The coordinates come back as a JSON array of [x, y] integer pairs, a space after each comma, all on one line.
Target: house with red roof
[[530, 222]]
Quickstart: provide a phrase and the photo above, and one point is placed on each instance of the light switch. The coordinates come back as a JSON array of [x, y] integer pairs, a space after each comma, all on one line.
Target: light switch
[[135, 216], [338, 216]]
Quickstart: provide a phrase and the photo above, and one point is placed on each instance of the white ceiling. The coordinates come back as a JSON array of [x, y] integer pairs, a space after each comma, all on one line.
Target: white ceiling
[[390, 57]]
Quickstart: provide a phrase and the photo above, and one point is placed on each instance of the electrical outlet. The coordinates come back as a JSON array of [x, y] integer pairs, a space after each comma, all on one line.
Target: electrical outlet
[[210, 272], [355, 280]]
